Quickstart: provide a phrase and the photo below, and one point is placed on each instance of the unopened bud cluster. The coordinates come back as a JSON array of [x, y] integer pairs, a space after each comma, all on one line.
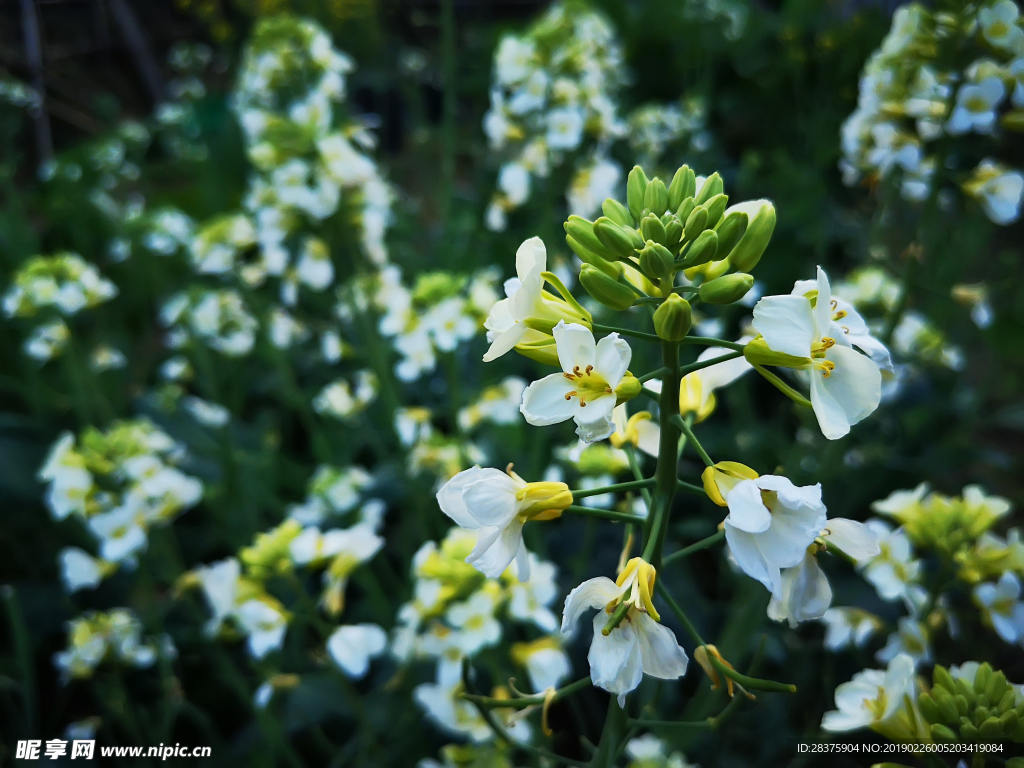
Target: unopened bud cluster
[[985, 710]]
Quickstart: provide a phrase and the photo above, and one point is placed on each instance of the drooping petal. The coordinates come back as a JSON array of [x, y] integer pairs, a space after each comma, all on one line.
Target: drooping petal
[[545, 401], [786, 323], [504, 342], [612, 356], [491, 498], [806, 594], [855, 383], [615, 661], [496, 549], [854, 539], [747, 511], [750, 559], [449, 498], [594, 420], [575, 346], [523, 562], [531, 258], [522, 303], [593, 593], [660, 652], [830, 415]]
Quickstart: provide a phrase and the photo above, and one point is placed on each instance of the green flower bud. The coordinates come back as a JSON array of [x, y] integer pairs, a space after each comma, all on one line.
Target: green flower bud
[[980, 715], [606, 289], [965, 689], [760, 225], [713, 185], [636, 187], [672, 320], [963, 705], [542, 351], [617, 212], [1008, 702], [582, 231], [716, 209], [730, 229], [929, 709], [621, 241], [990, 729], [588, 256], [695, 223], [940, 675], [656, 260], [651, 228], [1015, 762], [685, 209], [968, 731], [702, 250], [943, 734], [996, 687], [982, 678], [684, 185], [656, 196], [946, 705], [726, 289], [628, 388], [1008, 723], [758, 352], [673, 233]]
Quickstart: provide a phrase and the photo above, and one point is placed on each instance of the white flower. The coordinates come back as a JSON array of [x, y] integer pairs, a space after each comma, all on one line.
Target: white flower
[[638, 645], [545, 662], [498, 504], [565, 128], [872, 697], [894, 572], [449, 324], [853, 325], [770, 524], [351, 647], [120, 533], [514, 182], [911, 638], [976, 105], [530, 599], [220, 587], [844, 626], [1001, 606], [585, 390], [264, 624], [514, 59], [506, 322], [846, 386], [475, 622], [79, 570], [805, 593], [998, 189], [999, 26]]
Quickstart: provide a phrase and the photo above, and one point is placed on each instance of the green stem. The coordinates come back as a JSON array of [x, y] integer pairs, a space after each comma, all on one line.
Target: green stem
[[685, 486], [683, 618], [625, 332], [634, 465], [783, 387], [679, 422], [606, 514], [656, 374], [710, 341], [751, 682], [665, 474], [708, 363], [615, 488], [615, 725], [526, 701], [710, 541], [23, 651], [697, 724]]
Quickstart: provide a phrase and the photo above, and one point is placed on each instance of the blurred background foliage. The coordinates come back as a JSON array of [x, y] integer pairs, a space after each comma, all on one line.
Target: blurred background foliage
[[776, 95]]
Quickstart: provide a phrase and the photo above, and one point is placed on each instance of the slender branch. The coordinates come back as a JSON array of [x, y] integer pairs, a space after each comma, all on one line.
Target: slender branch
[[685, 486], [696, 724], [710, 541], [710, 341], [625, 332], [683, 618], [606, 514], [523, 702], [679, 422], [656, 374], [750, 682], [631, 485], [635, 466], [708, 363], [783, 387]]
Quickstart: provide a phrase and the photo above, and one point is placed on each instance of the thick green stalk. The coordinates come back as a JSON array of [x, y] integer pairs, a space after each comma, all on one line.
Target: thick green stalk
[[615, 725], [665, 475]]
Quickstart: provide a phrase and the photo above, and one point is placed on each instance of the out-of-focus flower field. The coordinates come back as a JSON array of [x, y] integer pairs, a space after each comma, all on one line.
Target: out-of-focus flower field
[[470, 384]]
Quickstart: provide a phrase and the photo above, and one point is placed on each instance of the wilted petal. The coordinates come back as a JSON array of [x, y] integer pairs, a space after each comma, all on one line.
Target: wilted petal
[[593, 593], [660, 651], [616, 664]]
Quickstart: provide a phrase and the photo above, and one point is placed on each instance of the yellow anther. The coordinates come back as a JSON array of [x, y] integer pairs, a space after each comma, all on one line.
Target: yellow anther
[[701, 655]]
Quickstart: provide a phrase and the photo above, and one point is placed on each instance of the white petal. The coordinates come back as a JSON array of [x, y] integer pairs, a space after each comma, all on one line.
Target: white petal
[[491, 498], [593, 593], [852, 538], [660, 651], [750, 558], [496, 549], [747, 511], [449, 498], [544, 401], [855, 383], [575, 346], [504, 342], [531, 258], [594, 420], [787, 324], [615, 661], [612, 358], [823, 304], [352, 647], [831, 417]]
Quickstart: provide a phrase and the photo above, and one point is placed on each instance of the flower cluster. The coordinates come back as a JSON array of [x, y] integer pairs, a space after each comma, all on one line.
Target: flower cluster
[[120, 483], [95, 637], [915, 90], [217, 319], [652, 128]]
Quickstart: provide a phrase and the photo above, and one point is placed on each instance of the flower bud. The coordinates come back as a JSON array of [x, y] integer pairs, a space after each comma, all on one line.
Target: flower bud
[[702, 250], [758, 352], [542, 351], [684, 185], [617, 212], [723, 477], [760, 225], [980, 715], [730, 229], [546, 499], [726, 289], [672, 320], [1008, 701], [996, 687], [716, 209], [982, 678], [990, 729], [636, 187], [621, 241], [673, 233], [946, 706], [929, 709], [582, 231], [943, 734], [656, 260], [628, 388], [685, 208], [695, 223], [1008, 723], [606, 289], [968, 731], [651, 228], [712, 186], [656, 196], [941, 677], [611, 268]]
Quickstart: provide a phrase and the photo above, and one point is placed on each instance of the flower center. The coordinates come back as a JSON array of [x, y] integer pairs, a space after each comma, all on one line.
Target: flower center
[[876, 706], [589, 384], [818, 360]]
